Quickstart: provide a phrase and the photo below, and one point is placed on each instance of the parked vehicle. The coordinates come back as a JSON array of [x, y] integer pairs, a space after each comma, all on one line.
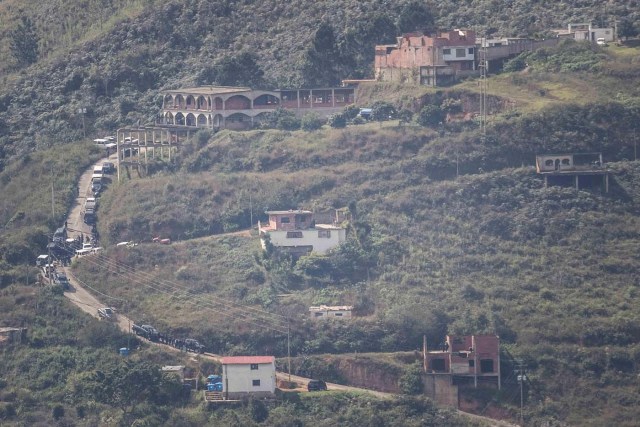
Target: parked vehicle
[[316, 385], [193, 345], [60, 235], [108, 167], [61, 280], [90, 210], [107, 313], [146, 331]]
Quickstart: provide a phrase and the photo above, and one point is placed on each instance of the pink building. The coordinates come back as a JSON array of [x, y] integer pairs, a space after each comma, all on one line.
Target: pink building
[[426, 60]]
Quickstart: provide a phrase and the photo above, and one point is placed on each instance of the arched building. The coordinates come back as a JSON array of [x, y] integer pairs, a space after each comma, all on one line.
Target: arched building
[[240, 108]]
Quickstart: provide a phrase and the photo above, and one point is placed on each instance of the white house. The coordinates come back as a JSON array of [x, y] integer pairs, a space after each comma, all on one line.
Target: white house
[[244, 375], [297, 232], [331, 312]]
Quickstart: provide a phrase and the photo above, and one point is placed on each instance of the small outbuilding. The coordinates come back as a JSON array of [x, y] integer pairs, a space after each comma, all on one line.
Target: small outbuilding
[[331, 312]]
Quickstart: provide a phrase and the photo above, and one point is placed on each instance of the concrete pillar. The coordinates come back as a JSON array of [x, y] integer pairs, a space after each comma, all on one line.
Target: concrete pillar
[[577, 183], [333, 97], [606, 182]]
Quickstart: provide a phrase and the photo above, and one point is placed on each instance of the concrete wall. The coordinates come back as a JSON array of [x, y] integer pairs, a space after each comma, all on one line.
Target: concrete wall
[[439, 389]]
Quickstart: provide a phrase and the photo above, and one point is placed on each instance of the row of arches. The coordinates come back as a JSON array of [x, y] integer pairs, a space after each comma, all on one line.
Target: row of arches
[[235, 102], [233, 121]]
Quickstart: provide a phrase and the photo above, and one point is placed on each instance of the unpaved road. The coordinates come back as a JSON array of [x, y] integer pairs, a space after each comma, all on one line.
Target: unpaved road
[[88, 303]]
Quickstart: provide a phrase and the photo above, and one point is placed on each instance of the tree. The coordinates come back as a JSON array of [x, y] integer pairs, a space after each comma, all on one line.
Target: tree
[[337, 121], [381, 111], [627, 28], [238, 70], [322, 58], [24, 43], [430, 116], [281, 118], [411, 381], [415, 16], [350, 112], [311, 122]]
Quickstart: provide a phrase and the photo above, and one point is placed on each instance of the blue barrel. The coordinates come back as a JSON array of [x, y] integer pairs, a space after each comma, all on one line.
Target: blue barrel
[[124, 351]]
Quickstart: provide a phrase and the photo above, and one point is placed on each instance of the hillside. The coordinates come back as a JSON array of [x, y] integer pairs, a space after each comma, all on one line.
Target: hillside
[[449, 231], [115, 67]]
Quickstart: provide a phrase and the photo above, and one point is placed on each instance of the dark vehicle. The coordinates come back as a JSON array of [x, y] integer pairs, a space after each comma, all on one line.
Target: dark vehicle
[[193, 345], [61, 280], [316, 385], [146, 331], [60, 235], [108, 167]]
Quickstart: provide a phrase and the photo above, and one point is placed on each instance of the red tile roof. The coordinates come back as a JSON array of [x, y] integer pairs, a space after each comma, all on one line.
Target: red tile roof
[[247, 360]]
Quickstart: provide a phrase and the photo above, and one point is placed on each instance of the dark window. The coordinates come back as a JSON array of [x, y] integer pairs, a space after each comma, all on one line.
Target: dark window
[[437, 365], [256, 383], [446, 51], [486, 365], [565, 162], [285, 220], [472, 363], [254, 366], [294, 234], [460, 53], [324, 233], [337, 314], [470, 51], [548, 162], [319, 314]]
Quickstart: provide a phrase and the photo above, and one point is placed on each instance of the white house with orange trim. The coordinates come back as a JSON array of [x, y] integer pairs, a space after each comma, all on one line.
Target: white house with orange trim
[[296, 232], [248, 375]]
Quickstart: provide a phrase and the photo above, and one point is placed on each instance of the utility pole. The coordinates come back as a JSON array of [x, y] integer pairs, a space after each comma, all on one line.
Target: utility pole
[[522, 377], [83, 111], [289, 350], [53, 209]]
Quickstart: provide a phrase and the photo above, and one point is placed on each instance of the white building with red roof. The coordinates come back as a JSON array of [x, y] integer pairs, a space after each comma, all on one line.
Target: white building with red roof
[[248, 375]]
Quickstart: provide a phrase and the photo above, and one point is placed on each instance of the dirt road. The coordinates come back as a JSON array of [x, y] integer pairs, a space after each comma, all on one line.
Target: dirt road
[[85, 301]]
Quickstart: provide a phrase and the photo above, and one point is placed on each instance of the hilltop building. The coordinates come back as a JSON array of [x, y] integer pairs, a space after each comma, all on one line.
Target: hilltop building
[[12, 335], [576, 169], [587, 32], [331, 312], [426, 60], [240, 108], [248, 375], [296, 232]]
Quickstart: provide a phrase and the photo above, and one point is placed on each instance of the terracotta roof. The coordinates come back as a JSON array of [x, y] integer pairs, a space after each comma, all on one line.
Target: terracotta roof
[[247, 360]]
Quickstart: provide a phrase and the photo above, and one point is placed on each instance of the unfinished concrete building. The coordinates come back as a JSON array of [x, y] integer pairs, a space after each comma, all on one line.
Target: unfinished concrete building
[[582, 170], [426, 60]]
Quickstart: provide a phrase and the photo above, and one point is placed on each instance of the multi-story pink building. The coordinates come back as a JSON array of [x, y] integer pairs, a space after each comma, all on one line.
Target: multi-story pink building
[[240, 108], [426, 60]]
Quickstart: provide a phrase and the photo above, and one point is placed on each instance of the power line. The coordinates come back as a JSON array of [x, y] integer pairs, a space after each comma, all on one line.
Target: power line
[[247, 314]]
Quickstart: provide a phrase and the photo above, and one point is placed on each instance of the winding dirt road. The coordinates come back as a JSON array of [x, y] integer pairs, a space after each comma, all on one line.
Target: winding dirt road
[[87, 302]]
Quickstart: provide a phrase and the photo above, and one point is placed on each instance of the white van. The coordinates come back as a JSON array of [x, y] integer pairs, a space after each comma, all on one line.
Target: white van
[[98, 169], [601, 41]]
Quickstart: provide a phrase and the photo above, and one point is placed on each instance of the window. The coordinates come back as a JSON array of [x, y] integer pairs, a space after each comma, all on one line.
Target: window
[[460, 53], [254, 366], [285, 220], [472, 363], [470, 51], [324, 233], [294, 234], [486, 365], [437, 365], [446, 51], [565, 162], [319, 314], [255, 383], [548, 162], [337, 314]]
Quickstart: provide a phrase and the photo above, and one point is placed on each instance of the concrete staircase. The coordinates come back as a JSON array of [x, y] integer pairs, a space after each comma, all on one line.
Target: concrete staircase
[[213, 396]]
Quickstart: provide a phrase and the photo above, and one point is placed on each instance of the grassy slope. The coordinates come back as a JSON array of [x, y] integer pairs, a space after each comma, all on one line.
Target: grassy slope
[[549, 269]]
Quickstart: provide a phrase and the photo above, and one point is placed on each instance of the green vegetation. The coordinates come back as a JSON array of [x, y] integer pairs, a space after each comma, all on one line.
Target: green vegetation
[[449, 231]]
